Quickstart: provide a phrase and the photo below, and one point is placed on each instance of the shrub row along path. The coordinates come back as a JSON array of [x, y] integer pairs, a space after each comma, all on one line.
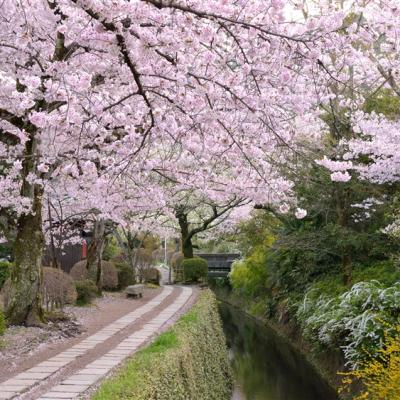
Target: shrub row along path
[[73, 372]]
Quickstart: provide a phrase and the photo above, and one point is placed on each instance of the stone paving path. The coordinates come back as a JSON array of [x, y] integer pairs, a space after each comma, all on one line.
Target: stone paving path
[[72, 386]]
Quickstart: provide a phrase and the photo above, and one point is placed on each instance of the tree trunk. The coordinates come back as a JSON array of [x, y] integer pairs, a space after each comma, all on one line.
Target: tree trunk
[[95, 253], [129, 253], [24, 305], [53, 253], [187, 247], [342, 220], [186, 238], [347, 268]]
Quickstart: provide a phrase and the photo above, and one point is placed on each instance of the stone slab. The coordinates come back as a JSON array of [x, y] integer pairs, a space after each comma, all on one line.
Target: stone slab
[[69, 388], [20, 382], [7, 395], [32, 375], [59, 395]]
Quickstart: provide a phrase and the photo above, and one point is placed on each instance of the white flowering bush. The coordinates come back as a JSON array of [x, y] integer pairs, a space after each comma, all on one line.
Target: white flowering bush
[[355, 321]]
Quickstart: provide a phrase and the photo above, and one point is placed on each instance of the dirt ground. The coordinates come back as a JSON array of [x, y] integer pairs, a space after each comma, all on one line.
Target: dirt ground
[[22, 348]]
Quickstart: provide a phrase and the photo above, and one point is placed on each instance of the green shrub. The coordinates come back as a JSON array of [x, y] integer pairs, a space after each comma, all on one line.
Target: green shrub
[[195, 269], [109, 274], [57, 290], [87, 291], [328, 285], [111, 249], [5, 270], [126, 276], [385, 272], [356, 321], [2, 322], [249, 276], [152, 275], [189, 361]]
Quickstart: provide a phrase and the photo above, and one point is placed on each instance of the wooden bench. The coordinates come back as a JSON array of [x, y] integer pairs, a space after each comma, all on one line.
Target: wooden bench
[[134, 291]]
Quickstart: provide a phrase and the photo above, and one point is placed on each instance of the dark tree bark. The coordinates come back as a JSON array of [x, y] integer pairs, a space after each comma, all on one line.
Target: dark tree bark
[[95, 252], [24, 304], [53, 252], [343, 219], [216, 216], [186, 238]]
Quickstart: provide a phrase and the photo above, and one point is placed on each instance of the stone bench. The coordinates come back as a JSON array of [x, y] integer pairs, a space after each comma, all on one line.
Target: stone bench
[[134, 291]]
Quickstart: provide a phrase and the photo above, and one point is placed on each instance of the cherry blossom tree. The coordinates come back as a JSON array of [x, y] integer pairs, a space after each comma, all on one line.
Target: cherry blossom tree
[[123, 87], [364, 94]]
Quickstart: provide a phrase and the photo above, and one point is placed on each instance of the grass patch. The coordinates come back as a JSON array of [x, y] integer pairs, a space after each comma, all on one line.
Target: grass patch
[[164, 342], [151, 286]]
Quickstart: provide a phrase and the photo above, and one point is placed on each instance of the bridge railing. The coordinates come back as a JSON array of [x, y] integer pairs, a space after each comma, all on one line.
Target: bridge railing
[[219, 264]]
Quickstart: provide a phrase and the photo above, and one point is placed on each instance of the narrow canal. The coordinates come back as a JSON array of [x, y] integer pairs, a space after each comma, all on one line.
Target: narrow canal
[[266, 366]]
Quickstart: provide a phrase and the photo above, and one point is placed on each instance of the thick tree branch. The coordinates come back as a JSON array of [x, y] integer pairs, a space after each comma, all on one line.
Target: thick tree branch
[[160, 4], [8, 138]]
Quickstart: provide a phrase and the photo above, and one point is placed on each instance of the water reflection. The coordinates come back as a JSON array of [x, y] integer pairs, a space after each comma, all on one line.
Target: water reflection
[[266, 366]]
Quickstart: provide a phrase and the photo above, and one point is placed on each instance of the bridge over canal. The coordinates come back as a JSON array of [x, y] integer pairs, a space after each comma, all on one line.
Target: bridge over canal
[[219, 264]]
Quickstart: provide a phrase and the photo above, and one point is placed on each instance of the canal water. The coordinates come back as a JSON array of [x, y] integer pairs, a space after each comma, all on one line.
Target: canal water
[[266, 366]]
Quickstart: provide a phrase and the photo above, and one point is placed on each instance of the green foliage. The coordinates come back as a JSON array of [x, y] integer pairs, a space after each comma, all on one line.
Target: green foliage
[[152, 275], [249, 276], [2, 322], [87, 292], [332, 285], [190, 361], [257, 231], [385, 102], [329, 285], [195, 269], [222, 244], [386, 272], [5, 270], [6, 251], [109, 274], [356, 320], [312, 271], [111, 249], [152, 286], [125, 275]]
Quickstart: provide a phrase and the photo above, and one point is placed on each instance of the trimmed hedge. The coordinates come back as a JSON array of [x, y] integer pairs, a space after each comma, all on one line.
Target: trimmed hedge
[[189, 361], [109, 274], [126, 276], [87, 292], [58, 288], [152, 275], [195, 269]]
